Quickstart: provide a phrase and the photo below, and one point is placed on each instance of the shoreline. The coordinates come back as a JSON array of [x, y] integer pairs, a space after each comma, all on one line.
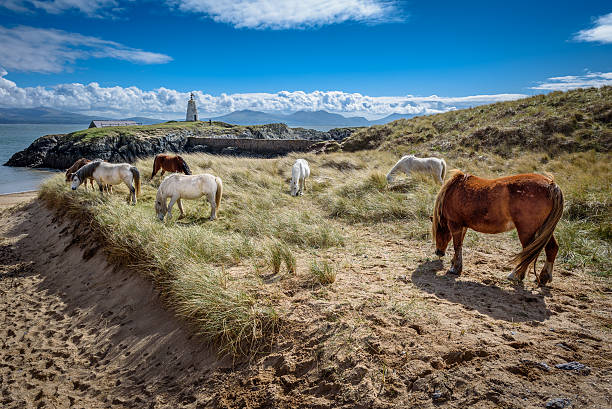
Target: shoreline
[[11, 199]]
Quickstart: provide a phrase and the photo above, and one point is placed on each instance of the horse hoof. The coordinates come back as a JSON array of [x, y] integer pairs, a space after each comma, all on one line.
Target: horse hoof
[[453, 272], [512, 277], [181, 217]]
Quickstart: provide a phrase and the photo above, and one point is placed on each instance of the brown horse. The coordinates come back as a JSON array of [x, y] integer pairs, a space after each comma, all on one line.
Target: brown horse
[[533, 204], [170, 163], [76, 166]]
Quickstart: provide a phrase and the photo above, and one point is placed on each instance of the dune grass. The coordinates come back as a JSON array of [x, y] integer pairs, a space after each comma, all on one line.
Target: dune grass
[[204, 269]]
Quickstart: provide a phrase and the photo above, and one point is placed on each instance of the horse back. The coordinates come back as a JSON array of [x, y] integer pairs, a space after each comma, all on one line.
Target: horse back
[[497, 205]]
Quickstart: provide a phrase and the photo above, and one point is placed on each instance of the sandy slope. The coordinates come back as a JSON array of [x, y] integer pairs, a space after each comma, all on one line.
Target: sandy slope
[[392, 331], [76, 331]]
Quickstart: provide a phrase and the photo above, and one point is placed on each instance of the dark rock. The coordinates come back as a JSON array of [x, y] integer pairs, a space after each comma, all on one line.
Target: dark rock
[[61, 151], [558, 403]]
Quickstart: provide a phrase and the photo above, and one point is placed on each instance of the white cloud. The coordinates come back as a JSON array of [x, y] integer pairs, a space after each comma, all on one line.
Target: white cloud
[[47, 50], [591, 79], [255, 14], [167, 103], [601, 31], [286, 14]]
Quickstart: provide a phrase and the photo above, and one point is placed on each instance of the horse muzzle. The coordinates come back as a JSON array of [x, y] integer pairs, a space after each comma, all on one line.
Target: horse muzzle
[[74, 188], [440, 253]]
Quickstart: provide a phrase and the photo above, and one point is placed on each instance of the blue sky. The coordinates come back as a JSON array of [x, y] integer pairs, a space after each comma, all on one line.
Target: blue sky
[[144, 56]]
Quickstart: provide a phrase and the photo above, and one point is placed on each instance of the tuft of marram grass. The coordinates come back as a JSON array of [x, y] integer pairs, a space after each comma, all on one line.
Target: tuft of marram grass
[[323, 273]]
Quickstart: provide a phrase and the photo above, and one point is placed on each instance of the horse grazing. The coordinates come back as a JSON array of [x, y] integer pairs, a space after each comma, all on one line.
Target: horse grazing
[[410, 163], [177, 187], [110, 174], [299, 172], [170, 163], [531, 203], [75, 166]]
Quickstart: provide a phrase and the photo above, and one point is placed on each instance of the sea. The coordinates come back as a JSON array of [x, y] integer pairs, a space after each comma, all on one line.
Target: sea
[[16, 137]]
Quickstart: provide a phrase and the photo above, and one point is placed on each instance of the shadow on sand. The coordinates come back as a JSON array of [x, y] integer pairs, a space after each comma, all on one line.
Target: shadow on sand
[[514, 305]]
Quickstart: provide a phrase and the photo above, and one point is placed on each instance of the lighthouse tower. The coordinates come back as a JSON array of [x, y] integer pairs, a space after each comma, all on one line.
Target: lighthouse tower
[[192, 111]]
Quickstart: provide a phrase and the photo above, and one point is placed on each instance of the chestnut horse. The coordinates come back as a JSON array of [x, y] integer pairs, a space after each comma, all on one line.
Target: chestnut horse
[[170, 163], [531, 203]]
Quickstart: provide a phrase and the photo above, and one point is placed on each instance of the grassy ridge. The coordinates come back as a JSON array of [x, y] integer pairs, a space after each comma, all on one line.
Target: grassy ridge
[[573, 121], [211, 273]]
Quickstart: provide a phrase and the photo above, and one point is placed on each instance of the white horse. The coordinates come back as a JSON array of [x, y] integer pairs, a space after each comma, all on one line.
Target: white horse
[[299, 172], [105, 173], [177, 187], [410, 163]]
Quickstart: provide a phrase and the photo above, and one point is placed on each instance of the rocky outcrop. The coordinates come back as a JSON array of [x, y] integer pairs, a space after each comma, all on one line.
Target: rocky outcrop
[[127, 145]]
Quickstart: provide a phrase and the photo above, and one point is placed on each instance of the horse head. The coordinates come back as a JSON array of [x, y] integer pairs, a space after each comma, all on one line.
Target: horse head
[[186, 169], [76, 182], [160, 206]]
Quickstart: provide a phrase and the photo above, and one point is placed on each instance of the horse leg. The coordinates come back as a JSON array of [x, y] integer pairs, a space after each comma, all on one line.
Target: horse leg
[[172, 201], [551, 250], [458, 233], [101, 187], [180, 206], [213, 207], [162, 174], [303, 185], [525, 235]]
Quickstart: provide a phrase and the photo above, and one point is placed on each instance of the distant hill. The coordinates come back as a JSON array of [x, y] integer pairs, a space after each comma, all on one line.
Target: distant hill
[[298, 119], [42, 115], [391, 118], [572, 121]]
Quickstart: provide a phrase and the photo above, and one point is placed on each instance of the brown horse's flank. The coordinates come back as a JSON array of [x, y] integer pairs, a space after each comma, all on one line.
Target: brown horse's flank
[[531, 203], [169, 163]]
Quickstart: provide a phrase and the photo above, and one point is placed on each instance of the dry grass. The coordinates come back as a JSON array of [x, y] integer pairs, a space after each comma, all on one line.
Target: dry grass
[[259, 223]]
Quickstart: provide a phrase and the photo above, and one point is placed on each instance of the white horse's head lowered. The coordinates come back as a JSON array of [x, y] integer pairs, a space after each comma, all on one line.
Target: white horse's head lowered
[[161, 207], [76, 182]]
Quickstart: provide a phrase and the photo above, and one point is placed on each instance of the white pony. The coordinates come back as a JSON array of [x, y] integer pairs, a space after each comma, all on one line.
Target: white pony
[[105, 173], [177, 187], [410, 163], [299, 172]]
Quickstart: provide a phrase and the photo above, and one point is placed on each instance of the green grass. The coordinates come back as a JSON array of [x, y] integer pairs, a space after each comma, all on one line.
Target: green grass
[[558, 122], [204, 270]]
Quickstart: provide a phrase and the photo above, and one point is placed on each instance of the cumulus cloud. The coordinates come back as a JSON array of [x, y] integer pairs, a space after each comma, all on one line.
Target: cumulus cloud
[[567, 82], [285, 14], [168, 103], [47, 50], [601, 31]]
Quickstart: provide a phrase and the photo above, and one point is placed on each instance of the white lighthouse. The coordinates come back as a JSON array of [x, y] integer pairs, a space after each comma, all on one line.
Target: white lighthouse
[[192, 110]]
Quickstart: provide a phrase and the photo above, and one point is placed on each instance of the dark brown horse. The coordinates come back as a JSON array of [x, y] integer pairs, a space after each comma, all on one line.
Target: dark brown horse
[[170, 163], [533, 204], [76, 166]]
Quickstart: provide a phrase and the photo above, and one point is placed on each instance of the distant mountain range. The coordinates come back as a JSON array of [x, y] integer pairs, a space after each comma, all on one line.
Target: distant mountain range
[[43, 115], [302, 119]]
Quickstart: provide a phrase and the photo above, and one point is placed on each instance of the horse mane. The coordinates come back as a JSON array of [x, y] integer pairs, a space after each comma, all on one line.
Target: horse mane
[[456, 174], [86, 171], [186, 169]]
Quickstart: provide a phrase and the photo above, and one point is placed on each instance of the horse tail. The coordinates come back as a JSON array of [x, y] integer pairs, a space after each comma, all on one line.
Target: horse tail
[[186, 169], [219, 192], [443, 173], [544, 233], [155, 165], [136, 175]]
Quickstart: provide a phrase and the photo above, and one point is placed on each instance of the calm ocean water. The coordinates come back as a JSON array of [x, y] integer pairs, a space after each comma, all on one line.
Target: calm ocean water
[[16, 137]]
